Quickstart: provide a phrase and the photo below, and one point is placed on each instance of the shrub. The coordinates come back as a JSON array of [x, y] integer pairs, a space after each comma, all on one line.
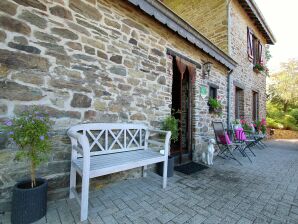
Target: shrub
[[274, 112], [30, 132], [294, 113], [271, 123], [171, 124], [289, 122]]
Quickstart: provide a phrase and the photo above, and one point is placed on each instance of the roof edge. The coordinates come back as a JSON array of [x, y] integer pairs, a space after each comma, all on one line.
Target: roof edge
[[261, 19], [170, 19]]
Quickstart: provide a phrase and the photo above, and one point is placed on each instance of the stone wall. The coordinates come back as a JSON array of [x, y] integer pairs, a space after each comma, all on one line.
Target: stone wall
[[208, 17], [243, 75], [86, 61]]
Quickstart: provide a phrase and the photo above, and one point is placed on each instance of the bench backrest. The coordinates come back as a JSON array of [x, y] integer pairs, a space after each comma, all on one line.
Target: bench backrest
[[107, 138]]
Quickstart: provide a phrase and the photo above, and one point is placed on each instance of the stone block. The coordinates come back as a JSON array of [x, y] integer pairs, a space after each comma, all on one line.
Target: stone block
[[8, 7], [30, 76], [20, 40], [29, 49], [85, 9], [65, 33], [162, 80], [80, 100], [93, 43], [14, 25], [101, 54], [61, 12], [118, 70], [2, 36], [32, 3], [71, 84], [51, 111], [74, 45], [46, 37], [116, 59], [138, 116], [90, 115], [136, 25], [15, 91], [3, 109], [78, 28], [33, 19], [91, 26], [112, 23], [89, 50]]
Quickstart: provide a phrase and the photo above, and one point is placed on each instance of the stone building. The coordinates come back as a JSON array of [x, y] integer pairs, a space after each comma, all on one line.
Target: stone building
[[120, 61], [227, 24]]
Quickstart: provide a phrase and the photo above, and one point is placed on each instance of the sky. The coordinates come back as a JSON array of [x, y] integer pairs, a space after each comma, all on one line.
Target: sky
[[282, 18]]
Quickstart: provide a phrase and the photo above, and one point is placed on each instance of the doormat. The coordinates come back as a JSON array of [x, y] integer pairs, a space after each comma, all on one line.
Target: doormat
[[190, 168]]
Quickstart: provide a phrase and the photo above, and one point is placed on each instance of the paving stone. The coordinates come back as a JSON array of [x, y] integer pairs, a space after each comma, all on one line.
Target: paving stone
[[260, 192]]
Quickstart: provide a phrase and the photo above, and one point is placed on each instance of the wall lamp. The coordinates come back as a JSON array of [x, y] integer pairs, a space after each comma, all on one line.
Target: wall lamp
[[206, 69]]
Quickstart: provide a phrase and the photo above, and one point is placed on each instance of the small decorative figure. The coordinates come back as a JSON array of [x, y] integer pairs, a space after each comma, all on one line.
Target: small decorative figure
[[207, 156]]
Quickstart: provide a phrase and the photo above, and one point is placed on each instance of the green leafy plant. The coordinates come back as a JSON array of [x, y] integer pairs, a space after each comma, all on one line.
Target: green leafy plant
[[214, 103], [262, 69], [30, 132], [171, 124]]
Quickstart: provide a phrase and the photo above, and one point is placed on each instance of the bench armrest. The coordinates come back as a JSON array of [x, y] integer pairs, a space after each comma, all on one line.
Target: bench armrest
[[82, 140], [167, 139]]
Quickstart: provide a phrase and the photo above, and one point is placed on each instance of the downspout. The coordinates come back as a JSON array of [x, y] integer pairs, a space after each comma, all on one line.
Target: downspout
[[229, 99], [229, 78]]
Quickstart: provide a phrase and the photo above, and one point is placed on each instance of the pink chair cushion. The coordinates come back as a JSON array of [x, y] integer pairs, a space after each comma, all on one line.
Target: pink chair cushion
[[240, 135], [224, 139]]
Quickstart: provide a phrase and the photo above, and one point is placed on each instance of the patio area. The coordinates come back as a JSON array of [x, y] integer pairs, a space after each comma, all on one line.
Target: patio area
[[262, 192]]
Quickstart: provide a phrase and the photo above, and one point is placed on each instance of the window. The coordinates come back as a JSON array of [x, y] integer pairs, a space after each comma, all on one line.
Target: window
[[255, 105], [254, 48], [239, 103], [212, 94]]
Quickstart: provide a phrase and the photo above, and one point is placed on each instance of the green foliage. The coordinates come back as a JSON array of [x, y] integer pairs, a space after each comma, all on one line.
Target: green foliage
[[271, 123], [30, 132], [214, 103], [274, 111], [268, 55], [282, 88], [262, 69], [289, 122], [294, 113], [171, 124]]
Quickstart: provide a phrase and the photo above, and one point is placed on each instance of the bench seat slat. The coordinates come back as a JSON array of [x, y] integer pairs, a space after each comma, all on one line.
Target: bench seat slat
[[110, 163]]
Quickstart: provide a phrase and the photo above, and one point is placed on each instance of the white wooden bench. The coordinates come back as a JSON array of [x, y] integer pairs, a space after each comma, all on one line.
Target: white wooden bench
[[104, 148]]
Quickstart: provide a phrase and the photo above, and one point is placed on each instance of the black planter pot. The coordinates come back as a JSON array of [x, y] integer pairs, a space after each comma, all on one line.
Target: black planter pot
[[170, 173], [29, 204]]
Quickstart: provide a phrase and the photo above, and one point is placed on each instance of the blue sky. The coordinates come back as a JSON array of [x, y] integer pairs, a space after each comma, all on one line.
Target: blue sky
[[282, 17]]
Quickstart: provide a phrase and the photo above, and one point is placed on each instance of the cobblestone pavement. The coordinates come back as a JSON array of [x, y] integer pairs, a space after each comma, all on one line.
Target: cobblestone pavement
[[262, 192]]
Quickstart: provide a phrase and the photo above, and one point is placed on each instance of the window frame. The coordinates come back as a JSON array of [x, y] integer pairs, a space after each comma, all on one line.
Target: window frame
[[212, 88], [255, 105]]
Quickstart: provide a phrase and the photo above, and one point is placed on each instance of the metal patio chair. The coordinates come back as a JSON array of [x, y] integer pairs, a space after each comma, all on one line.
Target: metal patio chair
[[240, 137], [226, 147]]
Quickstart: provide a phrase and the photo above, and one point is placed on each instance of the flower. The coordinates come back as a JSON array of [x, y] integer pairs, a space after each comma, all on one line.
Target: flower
[[10, 133], [8, 123], [41, 137]]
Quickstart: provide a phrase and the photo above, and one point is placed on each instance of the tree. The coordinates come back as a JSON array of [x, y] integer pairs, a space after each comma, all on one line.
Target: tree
[[283, 86]]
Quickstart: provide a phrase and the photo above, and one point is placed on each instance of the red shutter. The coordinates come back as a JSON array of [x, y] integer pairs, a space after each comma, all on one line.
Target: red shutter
[[250, 52], [260, 50]]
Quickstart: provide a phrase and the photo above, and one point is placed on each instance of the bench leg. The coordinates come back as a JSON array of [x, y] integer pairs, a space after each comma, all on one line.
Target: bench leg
[[165, 174], [84, 199], [72, 184], [144, 173]]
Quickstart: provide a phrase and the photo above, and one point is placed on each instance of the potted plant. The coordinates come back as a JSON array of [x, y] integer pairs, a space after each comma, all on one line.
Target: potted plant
[[215, 105], [30, 133], [170, 124], [259, 68]]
